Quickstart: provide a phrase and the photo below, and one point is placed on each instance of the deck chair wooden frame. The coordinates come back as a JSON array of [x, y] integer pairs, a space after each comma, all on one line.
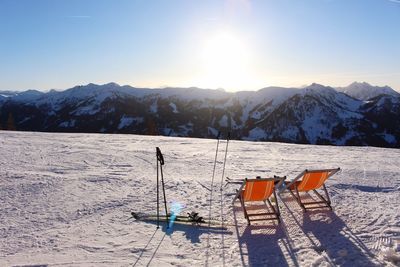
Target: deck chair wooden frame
[[275, 182], [309, 183]]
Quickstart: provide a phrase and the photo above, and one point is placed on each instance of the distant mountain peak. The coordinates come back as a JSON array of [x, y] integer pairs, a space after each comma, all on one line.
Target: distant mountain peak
[[318, 89], [365, 91], [353, 84], [112, 84], [316, 85]]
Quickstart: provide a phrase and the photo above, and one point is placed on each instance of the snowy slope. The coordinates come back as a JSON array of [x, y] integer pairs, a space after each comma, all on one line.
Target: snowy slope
[[264, 100], [66, 198], [25, 96], [311, 116]]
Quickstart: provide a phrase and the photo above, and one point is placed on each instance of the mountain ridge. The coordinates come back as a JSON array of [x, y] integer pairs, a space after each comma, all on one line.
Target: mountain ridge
[[315, 114]]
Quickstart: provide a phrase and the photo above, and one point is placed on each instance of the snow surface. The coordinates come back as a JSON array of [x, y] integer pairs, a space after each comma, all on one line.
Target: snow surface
[[223, 122], [186, 129], [70, 123], [66, 201], [390, 138], [330, 96], [313, 126], [212, 131], [174, 108], [128, 121], [154, 107], [256, 133], [86, 110], [274, 95]]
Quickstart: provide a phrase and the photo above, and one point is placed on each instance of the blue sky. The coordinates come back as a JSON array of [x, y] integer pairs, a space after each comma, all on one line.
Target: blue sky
[[235, 44]]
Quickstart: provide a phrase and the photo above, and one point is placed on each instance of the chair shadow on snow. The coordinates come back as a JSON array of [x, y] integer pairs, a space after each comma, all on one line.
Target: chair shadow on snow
[[263, 243], [366, 188], [336, 239], [337, 243]]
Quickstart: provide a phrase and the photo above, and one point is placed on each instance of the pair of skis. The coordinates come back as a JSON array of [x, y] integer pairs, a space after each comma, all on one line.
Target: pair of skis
[[193, 218], [190, 220]]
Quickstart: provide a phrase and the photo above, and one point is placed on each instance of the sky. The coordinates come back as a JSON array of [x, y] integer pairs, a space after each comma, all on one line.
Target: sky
[[229, 44]]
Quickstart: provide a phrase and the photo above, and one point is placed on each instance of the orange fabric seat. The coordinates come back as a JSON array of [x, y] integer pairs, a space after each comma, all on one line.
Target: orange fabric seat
[[311, 180], [293, 185], [257, 191], [260, 190]]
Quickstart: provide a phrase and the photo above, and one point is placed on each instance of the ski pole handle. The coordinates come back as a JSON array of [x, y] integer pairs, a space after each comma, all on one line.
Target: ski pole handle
[[160, 156]]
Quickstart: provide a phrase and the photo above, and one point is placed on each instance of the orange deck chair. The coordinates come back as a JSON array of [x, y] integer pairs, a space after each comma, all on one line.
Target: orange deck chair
[[260, 189], [311, 180]]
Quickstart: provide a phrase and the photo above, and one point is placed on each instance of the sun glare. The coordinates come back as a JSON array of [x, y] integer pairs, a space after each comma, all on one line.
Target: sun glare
[[226, 63]]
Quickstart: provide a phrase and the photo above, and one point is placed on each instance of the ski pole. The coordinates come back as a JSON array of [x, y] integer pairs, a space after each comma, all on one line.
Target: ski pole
[[158, 194], [213, 175], [211, 197], [222, 201], [226, 153], [165, 198]]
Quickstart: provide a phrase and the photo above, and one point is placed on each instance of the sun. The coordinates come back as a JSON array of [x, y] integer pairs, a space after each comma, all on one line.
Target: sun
[[226, 62]]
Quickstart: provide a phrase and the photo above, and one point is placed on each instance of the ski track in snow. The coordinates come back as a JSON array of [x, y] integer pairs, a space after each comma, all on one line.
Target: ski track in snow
[[66, 201]]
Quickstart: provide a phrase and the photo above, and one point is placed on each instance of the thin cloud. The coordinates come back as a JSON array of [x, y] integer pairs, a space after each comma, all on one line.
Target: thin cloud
[[395, 1]]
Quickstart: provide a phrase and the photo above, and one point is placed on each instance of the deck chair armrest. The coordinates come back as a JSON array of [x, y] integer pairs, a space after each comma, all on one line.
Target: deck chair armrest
[[280, 180], [289, 184], [334, 171], [239, 192]]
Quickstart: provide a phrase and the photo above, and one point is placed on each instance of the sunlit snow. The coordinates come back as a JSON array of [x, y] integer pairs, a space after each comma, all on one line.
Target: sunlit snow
[[66, 200]]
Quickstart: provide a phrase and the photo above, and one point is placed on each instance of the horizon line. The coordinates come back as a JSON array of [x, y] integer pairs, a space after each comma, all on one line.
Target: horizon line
[[197, 87]]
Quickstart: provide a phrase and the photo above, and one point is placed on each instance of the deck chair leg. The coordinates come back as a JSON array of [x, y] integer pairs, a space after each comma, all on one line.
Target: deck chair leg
[[276, 212], [327, 202], [277, 206], [299, 200], [320, 196], [244, 210], [295, 197], [327, 197]]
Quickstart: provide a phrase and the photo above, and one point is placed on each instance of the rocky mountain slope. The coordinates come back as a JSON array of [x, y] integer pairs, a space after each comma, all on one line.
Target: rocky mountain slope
[[315, 114]]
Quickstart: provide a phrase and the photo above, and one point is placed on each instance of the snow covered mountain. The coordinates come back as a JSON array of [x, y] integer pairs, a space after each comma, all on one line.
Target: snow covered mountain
[[365, 91], [315, 114]]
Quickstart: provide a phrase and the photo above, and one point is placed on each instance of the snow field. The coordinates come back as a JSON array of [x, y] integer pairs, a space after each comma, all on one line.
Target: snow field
[[66, 201]]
